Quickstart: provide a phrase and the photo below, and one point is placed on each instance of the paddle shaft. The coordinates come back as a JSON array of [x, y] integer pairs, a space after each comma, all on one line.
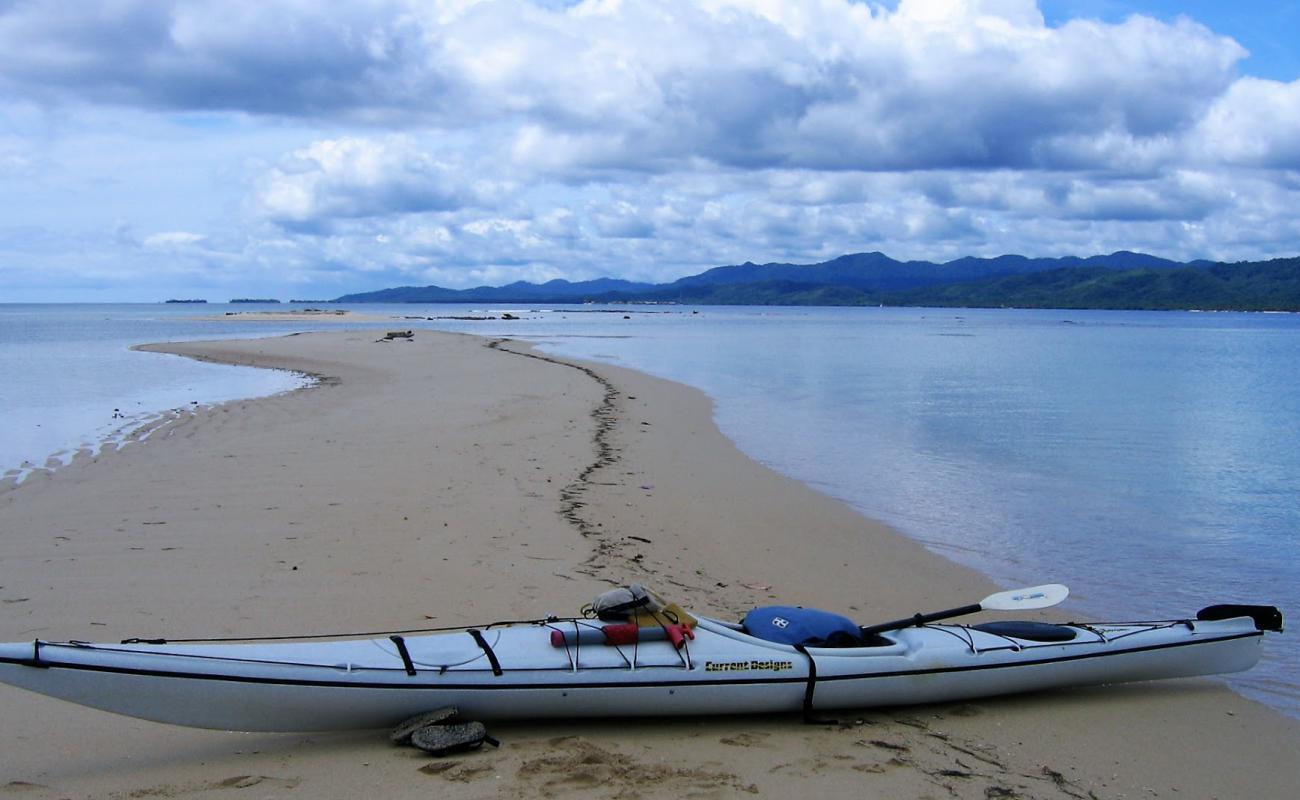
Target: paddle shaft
[[920, 619]]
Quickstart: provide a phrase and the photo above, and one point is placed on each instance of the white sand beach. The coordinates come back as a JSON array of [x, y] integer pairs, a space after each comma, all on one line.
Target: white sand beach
[[454, 479]]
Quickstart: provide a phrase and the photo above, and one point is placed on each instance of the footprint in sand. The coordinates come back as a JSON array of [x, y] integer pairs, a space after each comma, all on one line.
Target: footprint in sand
[[576, 767], [884, 745], [245, 781], [22, 787], [745, 739], [458, 771]]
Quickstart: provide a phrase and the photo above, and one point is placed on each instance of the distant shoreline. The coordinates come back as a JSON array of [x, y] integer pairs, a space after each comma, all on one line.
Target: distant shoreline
[[1121, 281], [295, 315]]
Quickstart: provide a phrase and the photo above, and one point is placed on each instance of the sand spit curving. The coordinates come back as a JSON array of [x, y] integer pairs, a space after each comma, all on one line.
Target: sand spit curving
[[454, 479]]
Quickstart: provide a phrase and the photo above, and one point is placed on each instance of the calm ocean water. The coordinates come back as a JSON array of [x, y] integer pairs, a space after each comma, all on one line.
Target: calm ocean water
[[67, 371], [1145, 459]]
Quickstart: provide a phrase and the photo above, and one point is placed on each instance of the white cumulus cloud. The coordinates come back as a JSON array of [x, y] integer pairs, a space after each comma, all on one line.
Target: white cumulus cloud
[[362, 177], [476, 139]]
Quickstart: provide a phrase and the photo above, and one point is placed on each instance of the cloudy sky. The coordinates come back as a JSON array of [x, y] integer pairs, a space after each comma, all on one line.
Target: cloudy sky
[[299, 149]]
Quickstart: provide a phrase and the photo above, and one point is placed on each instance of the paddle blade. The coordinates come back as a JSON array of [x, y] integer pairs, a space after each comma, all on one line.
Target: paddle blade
[[1026, 599]]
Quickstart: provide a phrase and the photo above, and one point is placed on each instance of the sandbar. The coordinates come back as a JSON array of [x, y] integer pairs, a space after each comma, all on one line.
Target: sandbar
[[453, 479]]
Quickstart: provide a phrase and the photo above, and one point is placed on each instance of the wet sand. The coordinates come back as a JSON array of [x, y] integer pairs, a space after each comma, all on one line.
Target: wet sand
[[453, 479]]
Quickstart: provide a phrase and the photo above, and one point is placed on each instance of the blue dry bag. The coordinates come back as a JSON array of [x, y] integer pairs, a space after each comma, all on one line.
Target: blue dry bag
[[809, 626]]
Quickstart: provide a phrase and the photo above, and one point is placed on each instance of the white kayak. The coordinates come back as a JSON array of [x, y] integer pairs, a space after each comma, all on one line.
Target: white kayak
[[517, 671]]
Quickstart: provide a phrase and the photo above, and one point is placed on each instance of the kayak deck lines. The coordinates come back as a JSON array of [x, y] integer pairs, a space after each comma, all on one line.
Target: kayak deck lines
[[46, 663], [573, 667], [574, 654]]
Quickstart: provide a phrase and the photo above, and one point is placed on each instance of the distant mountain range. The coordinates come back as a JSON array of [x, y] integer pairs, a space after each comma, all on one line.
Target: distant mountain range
[[1121, 280]]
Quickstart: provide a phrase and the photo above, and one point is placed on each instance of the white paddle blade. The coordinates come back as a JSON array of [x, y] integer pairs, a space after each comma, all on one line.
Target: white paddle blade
[[1026, 599]]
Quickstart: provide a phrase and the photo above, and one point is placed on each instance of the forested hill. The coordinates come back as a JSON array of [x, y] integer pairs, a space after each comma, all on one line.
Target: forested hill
[[1251, 286], [1121, 280]]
